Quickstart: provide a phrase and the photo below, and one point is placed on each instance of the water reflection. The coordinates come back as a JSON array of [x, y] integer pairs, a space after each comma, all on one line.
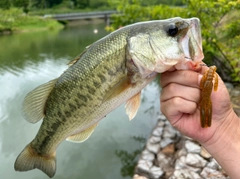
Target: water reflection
[[28, 60]]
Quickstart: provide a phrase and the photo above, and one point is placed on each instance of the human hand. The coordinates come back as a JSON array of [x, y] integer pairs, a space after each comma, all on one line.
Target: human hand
[[180, 97]]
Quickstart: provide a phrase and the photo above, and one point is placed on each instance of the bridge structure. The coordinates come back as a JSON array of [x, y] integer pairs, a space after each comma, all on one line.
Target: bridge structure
[[84, 16]]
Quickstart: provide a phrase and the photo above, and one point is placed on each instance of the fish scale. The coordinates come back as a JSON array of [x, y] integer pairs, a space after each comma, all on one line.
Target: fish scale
[[108, 73]]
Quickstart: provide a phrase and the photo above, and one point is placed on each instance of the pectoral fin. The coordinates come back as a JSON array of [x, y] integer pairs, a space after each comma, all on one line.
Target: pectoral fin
[[132, 105], [82, 136], [120, 87], [34, 102]]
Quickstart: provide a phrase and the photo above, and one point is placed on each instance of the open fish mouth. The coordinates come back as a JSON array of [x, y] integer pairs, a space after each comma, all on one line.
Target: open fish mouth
[[192, 43]]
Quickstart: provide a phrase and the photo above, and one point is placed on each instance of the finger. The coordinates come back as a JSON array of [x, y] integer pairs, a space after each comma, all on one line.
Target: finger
[[174, 108], [204, 69], [172, 68], [175, 90], [183, 77]]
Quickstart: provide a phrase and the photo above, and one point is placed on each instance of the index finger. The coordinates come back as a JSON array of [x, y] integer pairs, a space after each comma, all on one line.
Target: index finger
[[182, 77]]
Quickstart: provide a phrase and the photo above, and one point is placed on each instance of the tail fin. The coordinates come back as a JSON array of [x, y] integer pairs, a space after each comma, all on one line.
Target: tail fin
[[28, 159]]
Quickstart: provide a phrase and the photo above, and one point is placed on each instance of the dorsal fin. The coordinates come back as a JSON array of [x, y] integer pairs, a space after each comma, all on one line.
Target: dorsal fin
[[34, 102], [72, 62], [83, 135]]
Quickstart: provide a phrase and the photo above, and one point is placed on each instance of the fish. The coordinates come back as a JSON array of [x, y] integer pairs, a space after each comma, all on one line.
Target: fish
[[108, 73]]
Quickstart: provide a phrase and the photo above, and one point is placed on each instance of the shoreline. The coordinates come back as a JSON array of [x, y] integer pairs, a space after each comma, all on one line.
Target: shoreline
[[10, 32], [59, 26]]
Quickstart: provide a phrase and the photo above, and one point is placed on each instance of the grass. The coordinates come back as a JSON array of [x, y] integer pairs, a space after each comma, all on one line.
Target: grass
[[14, 20]]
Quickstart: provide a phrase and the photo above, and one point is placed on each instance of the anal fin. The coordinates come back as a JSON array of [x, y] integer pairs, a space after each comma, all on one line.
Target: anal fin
[[132, 105], [83, 135]]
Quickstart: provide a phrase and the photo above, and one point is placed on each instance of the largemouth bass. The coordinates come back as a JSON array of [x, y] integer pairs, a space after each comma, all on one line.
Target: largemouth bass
[[108, 73]]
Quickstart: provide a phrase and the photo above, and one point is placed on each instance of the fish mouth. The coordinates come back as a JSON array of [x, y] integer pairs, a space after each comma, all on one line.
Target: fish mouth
[[192, 42]]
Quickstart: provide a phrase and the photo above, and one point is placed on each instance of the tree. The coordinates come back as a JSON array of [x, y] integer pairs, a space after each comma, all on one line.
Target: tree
[[22, 4], [44, 3], [5, 4], [81, 3], [52, 3]]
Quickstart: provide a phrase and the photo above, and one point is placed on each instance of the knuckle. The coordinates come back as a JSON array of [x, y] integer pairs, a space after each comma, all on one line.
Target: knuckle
[[172, 87], [177, 101]]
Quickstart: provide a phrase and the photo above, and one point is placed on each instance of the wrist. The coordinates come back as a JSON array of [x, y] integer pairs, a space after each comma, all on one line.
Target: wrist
[[224, 145], [225, 133]]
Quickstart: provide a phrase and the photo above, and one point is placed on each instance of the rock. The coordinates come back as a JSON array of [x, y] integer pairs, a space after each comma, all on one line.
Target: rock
[[235, 93], [157, 131], [154, 139], [213, 164], [161, 117], [229, 85], [180, 163], [210, 173], [195, 160], [166, 141], [146, 155], [169, 149], [187, 138], [168, 132], [185, 174], [181, 152], [205, 153], [156, 172], [163, 160], [143, 166], [168, 154], [136, 176], [161, 124], [154, 148], [192, 147]]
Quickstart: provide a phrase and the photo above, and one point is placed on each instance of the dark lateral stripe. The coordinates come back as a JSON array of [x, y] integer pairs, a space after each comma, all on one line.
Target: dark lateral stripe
[[45, 141]]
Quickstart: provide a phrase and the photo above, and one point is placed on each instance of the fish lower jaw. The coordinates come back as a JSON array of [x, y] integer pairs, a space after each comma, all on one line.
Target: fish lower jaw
[[152, 75]]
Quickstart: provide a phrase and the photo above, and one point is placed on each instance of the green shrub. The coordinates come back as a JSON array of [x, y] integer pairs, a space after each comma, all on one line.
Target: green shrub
[[14, 19]]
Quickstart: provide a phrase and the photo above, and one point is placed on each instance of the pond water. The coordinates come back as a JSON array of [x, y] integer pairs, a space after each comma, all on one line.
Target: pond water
[[30, 59]]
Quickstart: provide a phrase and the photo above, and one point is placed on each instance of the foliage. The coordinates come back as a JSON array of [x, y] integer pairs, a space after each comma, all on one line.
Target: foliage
[[36, 5], [220, 34], [129, 159], [220, 28], [43, 3], [5, 4], [14, 19]]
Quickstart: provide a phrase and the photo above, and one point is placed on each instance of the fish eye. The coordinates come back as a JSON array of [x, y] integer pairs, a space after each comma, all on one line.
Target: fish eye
[[172, 30]]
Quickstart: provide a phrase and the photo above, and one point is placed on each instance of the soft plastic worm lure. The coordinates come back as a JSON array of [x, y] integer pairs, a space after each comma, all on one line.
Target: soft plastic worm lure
[[208, 82]]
